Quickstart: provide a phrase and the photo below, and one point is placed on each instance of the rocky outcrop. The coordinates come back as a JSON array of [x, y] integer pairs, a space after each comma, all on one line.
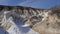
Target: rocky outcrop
[[43, 21], [19, 12], [26, 13]]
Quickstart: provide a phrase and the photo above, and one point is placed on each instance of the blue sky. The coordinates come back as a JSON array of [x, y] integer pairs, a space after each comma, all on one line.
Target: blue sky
[[31, 3]]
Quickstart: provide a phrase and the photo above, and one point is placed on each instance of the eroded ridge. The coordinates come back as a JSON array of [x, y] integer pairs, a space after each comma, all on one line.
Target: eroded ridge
[[23, 11], [29, 15]]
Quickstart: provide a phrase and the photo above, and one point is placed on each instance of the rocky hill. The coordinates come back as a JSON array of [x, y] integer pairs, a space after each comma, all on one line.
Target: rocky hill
[[19, 17]]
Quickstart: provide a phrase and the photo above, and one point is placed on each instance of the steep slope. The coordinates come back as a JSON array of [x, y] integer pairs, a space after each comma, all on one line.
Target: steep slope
[[22, 16]]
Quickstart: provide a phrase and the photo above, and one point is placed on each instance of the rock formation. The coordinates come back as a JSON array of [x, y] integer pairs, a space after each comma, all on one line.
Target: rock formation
[[43, 21]]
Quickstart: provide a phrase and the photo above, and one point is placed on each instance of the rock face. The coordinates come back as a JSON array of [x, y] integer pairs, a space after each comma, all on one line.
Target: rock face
[[26, 13], [19, 12], [43, 21]]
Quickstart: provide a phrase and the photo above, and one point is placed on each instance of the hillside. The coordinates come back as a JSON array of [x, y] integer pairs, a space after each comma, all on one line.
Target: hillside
[[13, 18]]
